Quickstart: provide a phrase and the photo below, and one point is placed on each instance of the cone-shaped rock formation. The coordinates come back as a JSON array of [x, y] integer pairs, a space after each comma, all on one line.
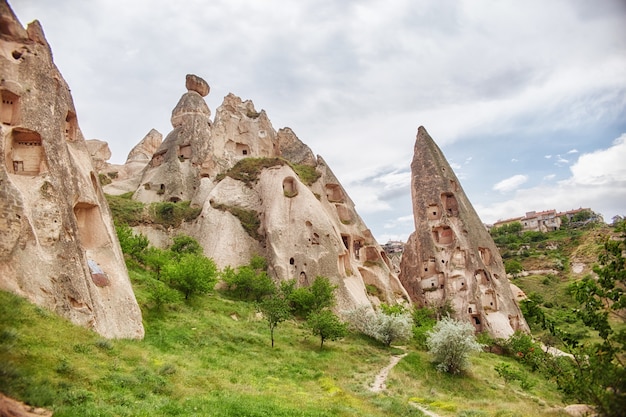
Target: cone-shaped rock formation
[[451, 256], [58, 246]]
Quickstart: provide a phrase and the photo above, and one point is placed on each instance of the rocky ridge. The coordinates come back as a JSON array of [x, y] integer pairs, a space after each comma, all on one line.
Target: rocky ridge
[[307, 224], [58, 246]]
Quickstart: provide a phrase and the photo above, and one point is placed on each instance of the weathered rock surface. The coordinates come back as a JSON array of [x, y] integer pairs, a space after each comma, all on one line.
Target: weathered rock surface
[[304, 230], [13, 408], [128, 176], [451, 256], [58, 246]]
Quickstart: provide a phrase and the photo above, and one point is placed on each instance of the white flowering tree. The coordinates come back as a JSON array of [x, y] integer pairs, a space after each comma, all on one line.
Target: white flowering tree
[[451, 343], [380, 325]]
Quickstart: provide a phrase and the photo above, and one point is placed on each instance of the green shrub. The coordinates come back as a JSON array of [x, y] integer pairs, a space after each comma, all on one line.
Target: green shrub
[[522, 347], [184, 244], [424, 319], [248, 282], [160, 295], [506, 372], [134, 245], [451, 343], [307, 300], [191, 274], [513, 267], [172, 214]]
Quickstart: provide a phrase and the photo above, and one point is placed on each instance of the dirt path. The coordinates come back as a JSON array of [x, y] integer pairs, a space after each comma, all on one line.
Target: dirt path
[[379, 384], [381, 379]]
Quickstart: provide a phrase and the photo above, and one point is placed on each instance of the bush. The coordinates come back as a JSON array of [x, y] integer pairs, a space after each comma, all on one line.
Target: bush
[[522, 347], [307, 300], [248, 282], [132, 244], [171, 214], [191, 274], [513, 267], [386, 328], [506, 372], [424, 320], [161, 295], [451, 343], [185, 244]]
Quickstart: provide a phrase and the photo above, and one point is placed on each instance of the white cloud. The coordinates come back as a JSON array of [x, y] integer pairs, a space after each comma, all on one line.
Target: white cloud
[[511, 183], [560, 161], [572, 151], [604, 167]]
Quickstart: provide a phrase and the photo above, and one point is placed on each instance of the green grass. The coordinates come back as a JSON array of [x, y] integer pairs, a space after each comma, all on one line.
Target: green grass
[[125, 210], [248, 170], [196, 359]]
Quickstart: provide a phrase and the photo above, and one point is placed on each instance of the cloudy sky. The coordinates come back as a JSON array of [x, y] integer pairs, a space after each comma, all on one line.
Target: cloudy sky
[[526, 99]]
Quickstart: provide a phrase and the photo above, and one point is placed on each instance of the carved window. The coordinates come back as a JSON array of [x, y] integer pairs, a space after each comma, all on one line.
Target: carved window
[[10, 108], [26, 154]]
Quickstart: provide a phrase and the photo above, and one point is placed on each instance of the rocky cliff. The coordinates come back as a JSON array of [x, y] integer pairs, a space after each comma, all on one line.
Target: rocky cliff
[[58, 246], [299, 216], [451, 256]]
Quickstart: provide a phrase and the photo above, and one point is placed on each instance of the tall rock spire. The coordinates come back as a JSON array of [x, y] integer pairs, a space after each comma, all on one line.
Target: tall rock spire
[[450, 257], [58, 246]]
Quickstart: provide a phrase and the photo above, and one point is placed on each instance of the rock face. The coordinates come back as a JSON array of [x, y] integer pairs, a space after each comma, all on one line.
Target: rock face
[[306, 226], [58, 246], [451, 256]]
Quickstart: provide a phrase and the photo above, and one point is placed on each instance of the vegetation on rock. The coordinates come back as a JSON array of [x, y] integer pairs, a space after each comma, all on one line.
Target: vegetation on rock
[[249, 218]]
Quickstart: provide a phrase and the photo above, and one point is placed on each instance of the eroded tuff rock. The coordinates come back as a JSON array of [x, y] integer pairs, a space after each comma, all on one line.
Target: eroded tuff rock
[[451, 256], [304, 230], [58, 246]]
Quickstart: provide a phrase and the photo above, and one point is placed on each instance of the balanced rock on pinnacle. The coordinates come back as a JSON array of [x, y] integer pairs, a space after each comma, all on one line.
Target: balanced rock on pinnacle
[[451, 257]]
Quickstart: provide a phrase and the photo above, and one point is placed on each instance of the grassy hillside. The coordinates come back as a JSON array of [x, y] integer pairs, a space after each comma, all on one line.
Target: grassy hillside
[[213, 357], [551, 262]]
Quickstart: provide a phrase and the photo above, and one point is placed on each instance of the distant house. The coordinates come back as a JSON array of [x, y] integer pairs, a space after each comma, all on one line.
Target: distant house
[[542, 221]]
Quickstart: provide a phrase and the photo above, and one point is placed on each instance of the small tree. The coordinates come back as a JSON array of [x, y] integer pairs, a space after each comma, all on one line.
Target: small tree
[[134, 245], [306, 300], [275, 309], [191, 274], [185, 244], [451, 342], [249, 282], [156, 259], [326, 325]]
